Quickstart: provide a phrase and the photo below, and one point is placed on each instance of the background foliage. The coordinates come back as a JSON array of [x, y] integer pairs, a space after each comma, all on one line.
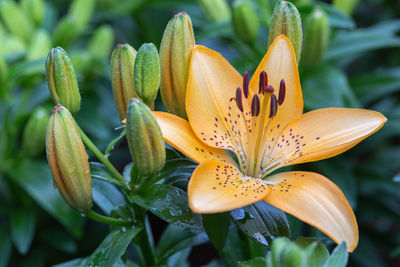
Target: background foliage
[[360, 68]]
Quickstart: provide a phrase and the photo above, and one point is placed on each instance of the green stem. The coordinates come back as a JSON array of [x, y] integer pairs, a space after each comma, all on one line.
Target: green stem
[[101, 157], [143, 238], [105, 219]]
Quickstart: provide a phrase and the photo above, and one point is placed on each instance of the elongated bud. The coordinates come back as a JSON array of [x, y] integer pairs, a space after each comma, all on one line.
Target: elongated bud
[[68, 160], [316, 38], [101, 43], [80, 12], [122, 66], [15, 19], [35, 9], [145, 140], [175, 51], [347, 6], [65, 32], [34, 135], [286, 20], [216, 10], [147, 72], [39, 45], [245, 20], [62, 81]]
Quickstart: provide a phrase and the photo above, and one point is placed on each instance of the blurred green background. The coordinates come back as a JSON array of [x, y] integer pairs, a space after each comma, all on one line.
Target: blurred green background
[[358, 66]]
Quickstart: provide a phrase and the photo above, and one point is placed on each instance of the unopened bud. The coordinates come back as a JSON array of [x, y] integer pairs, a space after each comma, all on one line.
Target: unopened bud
[[34, 135], [15, 19], [347, 6], [245, 20], [100, 44], [80, 12], [35, 9], [175, 51], [39, 46], [147, 73], [316, 38], [122, 65], [68, 160], [216, 10], [62, 81], [286, 20], [145, 140]]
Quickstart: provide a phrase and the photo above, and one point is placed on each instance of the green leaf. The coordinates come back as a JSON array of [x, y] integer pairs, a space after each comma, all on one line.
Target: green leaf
[[372, 86], [112, 247], [261, 222], [169, 203], [217, 228], [23, 224], [256, 262], [317, 253], [35, 178], [72, 263], [339, 257], [177, 167], [358, 41], [175, 239], [106, 195], [99, 171], [5, 246], [326, 86]]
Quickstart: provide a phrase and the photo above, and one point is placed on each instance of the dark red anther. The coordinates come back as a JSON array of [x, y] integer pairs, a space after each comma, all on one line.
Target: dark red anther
[[239, 101], [274, 106], [263, 81], [268, 89], [246, 84], [255, 106], [282, 92]]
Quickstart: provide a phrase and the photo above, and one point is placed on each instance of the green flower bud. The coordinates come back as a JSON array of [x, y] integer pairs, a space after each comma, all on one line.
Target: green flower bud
[[100, 44], [11, 45], [68, 160], [65, 32], [245, 20], [145, 140], [15, 19], [286, 20], [34, 135], [39, 45], [316, 38], [175, 51], [62, 80], [122, 66], [80, 12], [147, 72], [216, 10], [347, 6], [34, 9]]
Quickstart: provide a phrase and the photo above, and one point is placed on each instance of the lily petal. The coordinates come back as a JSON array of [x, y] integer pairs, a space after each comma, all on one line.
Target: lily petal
[[280, 63], [177, 132], [315, 200], [212, 83], [216, 186], [323, 133]]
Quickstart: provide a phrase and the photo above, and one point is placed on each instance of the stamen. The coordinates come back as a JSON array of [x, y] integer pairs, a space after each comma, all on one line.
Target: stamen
[[274, 106], [263, 81], [246, 84], [282, 92], [238, 99], [255, 106], [268, 89]]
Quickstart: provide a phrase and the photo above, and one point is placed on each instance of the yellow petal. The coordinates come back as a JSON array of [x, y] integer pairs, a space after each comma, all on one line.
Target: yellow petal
[[177, 132], [323, 133], [280, 63], [216, 186], [212, 83], [315, 200]]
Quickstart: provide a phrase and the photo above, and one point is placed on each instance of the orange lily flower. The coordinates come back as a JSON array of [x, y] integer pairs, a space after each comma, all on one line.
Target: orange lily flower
[[262, 122]]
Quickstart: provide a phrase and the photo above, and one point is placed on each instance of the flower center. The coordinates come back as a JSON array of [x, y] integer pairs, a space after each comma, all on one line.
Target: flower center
[[263, 109]]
